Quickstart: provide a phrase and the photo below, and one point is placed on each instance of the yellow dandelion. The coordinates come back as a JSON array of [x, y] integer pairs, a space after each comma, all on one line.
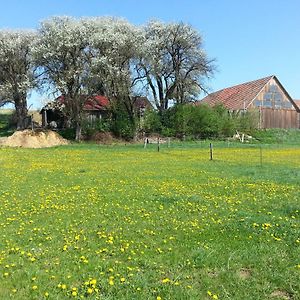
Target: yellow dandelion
[[93, 282], [165, 280]]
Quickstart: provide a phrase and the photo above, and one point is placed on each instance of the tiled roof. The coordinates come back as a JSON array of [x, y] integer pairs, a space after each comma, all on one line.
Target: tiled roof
[[96, 102], [239, 96]]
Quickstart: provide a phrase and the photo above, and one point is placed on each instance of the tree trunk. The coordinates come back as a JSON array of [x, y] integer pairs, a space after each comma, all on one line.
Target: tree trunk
[[78, 131], [21, 112]]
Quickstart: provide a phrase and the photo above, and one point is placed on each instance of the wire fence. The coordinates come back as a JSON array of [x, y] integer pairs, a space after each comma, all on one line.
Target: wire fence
[[230, 151]]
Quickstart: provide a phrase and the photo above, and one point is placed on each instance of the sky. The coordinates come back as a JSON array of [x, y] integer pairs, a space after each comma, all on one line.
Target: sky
[[248, 39]]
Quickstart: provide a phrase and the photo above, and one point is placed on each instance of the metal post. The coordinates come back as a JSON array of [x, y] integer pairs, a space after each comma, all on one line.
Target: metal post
[[211, 151], [158, 144]]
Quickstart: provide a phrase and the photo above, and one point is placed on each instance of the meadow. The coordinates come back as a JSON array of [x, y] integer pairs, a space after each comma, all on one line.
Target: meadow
[[123, 222]]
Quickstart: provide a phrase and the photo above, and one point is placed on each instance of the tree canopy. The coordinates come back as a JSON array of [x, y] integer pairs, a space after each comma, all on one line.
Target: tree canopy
[[16, 70], [78, 58]]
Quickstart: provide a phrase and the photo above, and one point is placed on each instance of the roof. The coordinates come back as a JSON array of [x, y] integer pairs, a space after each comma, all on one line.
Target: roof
[[141, 102], [239, 96], [297, 102], [96, 103], [93, 103]]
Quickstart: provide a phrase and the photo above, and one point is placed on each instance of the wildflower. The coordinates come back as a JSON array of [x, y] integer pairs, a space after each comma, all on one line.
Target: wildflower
[[165, 280], [34, 287], [111, 282], [93, 282]]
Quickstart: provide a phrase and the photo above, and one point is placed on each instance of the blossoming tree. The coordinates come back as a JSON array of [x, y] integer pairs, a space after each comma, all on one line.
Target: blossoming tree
[[16, 70]]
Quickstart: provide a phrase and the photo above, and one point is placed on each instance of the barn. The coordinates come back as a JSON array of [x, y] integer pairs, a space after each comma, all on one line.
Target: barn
[[95, 108], [266, 97]]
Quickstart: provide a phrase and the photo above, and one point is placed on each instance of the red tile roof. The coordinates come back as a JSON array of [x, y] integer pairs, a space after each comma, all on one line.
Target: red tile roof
[[239, 96], [96, 103], [92, 103]]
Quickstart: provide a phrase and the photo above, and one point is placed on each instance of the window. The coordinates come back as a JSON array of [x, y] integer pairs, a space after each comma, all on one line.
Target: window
[[257, 103], [268, 103], [273, 88]]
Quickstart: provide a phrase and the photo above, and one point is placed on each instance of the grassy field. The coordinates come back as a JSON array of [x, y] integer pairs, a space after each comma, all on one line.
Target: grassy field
[[123, 222]]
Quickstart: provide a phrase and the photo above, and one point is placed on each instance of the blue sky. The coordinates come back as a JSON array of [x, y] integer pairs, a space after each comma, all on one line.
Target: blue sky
[[248, 39]]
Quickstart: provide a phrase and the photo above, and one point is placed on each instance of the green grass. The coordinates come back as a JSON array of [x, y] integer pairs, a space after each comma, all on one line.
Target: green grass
[[278, 136], [123, 222]]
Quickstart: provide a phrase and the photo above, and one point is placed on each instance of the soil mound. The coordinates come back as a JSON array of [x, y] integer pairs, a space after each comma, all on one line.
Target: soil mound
[[34, 139]]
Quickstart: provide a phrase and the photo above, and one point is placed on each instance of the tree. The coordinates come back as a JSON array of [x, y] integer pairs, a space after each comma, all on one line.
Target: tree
[[116, 48], [174, 63], [16, 70], [63, 55]]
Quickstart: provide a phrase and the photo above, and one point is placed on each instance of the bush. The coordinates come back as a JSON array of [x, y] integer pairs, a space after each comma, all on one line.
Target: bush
[[89, 128], [68, 133], [122, 125], [199, 121], [152, 122]]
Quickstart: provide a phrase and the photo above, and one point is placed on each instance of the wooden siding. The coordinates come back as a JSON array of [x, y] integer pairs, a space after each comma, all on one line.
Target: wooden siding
[[273, 96], [279, 118]]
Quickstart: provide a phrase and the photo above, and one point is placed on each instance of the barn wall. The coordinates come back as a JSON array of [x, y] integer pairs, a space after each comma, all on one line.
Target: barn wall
[[279, 118], [272, 96]]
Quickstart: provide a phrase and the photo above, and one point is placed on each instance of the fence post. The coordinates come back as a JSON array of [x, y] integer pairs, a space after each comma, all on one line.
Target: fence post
[[260, 152], [158, 144], [211, 151]]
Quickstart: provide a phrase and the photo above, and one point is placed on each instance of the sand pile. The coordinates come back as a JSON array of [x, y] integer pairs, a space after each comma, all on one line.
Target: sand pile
[[34, 139]]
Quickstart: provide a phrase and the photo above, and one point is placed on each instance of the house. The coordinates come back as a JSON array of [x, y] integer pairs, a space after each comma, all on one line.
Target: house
[[95, 108], [141, 104], [266, 96]]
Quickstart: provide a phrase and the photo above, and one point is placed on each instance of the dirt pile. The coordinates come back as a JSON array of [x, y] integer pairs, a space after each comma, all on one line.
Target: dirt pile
[[34, 139]]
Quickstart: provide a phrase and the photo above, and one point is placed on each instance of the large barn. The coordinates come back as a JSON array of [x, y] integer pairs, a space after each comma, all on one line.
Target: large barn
[[266, 96]]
